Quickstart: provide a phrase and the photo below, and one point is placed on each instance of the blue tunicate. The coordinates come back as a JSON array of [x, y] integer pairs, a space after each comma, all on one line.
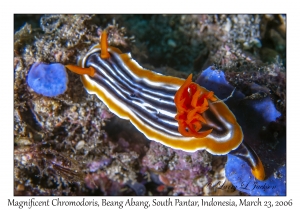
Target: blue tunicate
[[214, 80], [48, 79], [238, 173], [254, 116], [267, 109], [214, 75]]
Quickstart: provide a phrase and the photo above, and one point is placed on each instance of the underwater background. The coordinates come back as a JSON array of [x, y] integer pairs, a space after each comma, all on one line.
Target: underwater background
[[71, 144]]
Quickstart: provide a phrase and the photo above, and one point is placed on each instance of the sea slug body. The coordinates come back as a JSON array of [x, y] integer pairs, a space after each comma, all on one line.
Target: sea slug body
[[175, 112]]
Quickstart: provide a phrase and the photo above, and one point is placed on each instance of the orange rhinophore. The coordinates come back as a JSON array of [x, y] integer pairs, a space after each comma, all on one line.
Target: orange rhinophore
[[78, 70], [104, 45]]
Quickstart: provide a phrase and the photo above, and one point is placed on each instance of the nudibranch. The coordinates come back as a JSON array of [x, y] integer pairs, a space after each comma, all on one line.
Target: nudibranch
[[175, 112]]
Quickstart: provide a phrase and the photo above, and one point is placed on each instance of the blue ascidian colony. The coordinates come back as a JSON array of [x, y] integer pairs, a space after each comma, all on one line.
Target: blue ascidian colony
[[48, 79]]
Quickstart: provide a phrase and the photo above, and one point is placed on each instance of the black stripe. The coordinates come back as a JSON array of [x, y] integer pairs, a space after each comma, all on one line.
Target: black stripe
[[137, 88]]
